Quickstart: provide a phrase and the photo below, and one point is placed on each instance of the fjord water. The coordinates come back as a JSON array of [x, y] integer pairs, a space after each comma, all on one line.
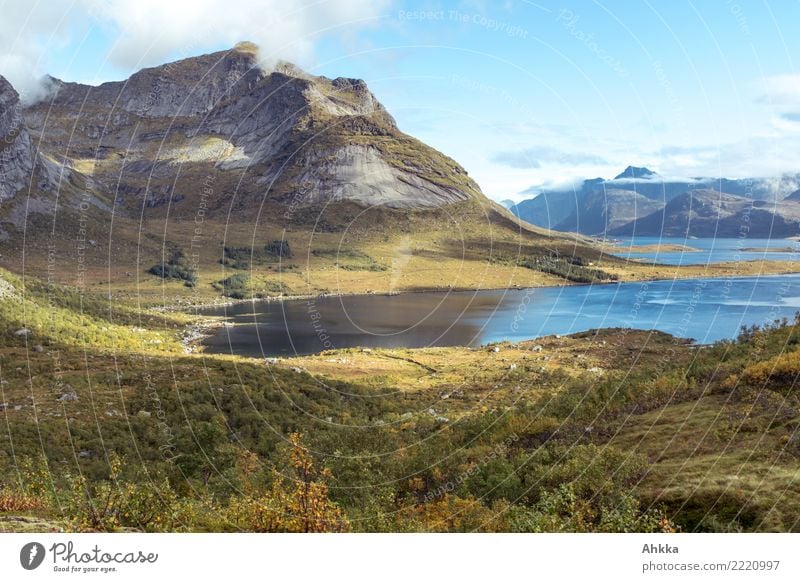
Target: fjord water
[[702, 309], [705, 251]]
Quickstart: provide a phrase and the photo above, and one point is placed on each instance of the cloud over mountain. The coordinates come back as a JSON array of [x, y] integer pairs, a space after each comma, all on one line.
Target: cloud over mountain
[[149, 32]]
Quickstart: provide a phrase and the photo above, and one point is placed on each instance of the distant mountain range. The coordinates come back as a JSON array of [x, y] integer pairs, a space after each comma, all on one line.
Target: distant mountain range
[[639, 201]]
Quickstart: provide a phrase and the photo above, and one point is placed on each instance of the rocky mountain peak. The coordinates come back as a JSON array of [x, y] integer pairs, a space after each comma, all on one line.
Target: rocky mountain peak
[[279, 132], [635, 172], [16, 154]]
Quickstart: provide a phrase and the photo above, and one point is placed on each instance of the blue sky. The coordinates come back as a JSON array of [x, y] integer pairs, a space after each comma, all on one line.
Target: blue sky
[[525, 95]]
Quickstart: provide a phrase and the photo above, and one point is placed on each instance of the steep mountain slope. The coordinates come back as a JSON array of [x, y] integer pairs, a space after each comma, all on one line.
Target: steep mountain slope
[[187, 174], [282, 135], [548, 209], [16, 154], [708, 213], [604, 211]]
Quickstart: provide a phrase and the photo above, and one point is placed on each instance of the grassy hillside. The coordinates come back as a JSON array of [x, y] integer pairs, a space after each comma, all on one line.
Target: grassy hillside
[[618, 430], [347, 250]]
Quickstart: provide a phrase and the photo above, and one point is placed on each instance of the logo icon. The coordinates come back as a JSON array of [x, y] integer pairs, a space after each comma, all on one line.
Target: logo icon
[[31, 555]]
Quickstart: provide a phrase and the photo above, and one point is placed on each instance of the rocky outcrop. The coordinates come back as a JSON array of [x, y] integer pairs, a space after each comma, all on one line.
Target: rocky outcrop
[[360, 174], [157, 139], [16, 154]]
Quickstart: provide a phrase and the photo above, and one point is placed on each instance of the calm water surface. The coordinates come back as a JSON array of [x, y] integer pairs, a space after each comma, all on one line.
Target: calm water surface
[[710, 250], [703, 309]]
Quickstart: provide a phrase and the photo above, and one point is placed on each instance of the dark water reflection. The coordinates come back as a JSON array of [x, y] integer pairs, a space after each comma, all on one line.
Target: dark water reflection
[[703, 309]]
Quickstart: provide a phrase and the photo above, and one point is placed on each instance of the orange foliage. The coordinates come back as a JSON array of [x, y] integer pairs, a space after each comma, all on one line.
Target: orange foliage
[[296, 503], [13, 500]]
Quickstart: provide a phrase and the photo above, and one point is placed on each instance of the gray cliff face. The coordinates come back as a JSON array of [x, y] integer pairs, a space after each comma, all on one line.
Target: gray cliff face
[[360, 174], [186, 88], [282, 135], [16, 154]]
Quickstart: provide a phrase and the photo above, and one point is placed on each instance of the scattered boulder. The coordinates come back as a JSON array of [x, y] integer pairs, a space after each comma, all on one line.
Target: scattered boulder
[[68, 395], [24, 332]]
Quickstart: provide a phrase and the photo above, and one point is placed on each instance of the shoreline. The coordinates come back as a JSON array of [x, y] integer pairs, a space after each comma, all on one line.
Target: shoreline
[[190, 309], [206, 329]]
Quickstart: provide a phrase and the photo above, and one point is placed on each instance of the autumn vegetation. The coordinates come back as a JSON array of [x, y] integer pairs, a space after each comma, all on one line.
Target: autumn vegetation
[[609, 431]]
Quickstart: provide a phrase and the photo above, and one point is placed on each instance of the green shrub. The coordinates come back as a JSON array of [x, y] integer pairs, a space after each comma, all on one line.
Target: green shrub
[[279, 248], [236, 286], [175, 268]]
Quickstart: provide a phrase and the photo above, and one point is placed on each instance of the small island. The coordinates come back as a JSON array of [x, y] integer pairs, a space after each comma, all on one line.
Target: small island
[[656, 248], [770, 250]]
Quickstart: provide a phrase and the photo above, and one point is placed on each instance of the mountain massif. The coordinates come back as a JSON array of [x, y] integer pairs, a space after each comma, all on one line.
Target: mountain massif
[[281, 135], [639, 202], [304, 184]]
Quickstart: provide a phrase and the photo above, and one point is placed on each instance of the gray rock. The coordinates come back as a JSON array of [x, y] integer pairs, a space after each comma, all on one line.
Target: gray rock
[[17, 159]]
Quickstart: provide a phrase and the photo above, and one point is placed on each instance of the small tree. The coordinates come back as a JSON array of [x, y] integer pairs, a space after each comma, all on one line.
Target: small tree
[[296, 503]]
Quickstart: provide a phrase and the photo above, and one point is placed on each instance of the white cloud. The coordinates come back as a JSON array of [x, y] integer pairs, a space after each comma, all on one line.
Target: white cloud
[[781, 90], [149, 32], [152, 30], [27, 31], [537, 156]]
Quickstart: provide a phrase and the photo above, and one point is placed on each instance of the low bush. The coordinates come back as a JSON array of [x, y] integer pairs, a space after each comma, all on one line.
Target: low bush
[[175, 268]]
